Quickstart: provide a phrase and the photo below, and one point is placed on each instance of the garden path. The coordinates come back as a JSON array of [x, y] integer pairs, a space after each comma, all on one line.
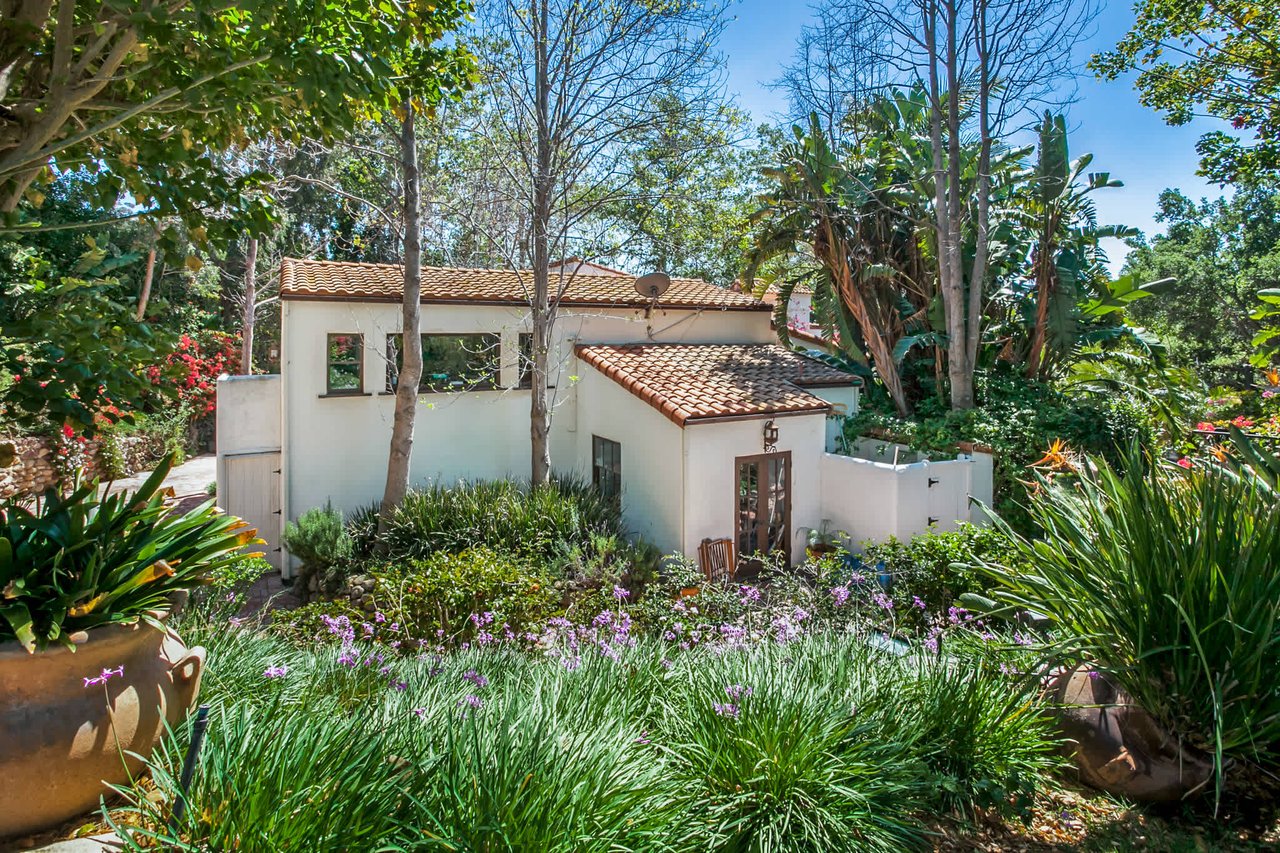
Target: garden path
[[189, 481]]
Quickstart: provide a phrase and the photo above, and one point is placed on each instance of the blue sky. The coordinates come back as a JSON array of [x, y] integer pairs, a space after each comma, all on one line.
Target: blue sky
[[1127, 139]]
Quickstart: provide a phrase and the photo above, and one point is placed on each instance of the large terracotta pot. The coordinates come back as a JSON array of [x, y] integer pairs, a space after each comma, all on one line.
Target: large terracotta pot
[[60, 741], [1118, 747]]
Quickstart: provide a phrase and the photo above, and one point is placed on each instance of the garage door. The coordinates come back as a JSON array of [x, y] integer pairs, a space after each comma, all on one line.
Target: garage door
[[253, 493]]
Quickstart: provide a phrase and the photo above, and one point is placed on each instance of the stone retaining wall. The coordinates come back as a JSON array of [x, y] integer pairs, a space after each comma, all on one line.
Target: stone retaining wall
[[33, 469]]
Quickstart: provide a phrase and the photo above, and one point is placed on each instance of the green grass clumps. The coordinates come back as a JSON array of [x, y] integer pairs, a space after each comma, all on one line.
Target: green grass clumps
[[505, 515], [820, 743]]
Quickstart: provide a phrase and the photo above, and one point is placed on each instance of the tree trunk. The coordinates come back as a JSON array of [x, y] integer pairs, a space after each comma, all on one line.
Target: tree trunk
[[1044, 293], [978, 276], [539, 409], [960, 368], [411, 341], [952, 290], [144, 295], [872, 333], [250, 299]]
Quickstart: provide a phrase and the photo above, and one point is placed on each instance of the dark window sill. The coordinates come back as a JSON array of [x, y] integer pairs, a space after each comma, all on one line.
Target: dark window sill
[[330, 395], [424, 392]]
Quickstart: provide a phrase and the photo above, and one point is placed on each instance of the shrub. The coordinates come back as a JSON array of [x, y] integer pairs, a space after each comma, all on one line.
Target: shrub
[[320, 541], [446, 598], [504, 515], [79, 560], [1168, 580], [1018, 419], [938, 568]]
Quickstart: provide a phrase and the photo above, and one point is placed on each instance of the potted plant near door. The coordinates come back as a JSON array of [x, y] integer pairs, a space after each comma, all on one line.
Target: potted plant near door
[[90, 670], [822, 540]]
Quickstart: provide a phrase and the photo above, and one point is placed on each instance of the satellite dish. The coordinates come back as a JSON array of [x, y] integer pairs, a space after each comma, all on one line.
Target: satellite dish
[[653, 285]]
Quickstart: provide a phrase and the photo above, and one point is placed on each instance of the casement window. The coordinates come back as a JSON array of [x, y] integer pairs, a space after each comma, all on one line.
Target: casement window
[[525, 365], [345, 364], [450, 362], [606, 467]]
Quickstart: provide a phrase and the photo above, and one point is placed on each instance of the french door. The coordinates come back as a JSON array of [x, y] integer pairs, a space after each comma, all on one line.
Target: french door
[[762, 508]]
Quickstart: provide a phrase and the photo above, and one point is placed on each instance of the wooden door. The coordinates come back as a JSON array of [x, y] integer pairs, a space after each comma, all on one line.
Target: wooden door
[[762, 505], [253, 493]]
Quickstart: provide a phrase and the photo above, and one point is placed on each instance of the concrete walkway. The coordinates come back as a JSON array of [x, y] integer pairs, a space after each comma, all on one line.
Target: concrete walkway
[[188, 480]]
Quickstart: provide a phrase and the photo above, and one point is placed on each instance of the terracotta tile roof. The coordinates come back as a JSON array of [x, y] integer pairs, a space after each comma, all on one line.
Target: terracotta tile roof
[[342, 280], [687, 382]]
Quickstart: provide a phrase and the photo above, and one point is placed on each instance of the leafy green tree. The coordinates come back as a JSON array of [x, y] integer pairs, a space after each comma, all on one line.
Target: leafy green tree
[[1219, 57], [689, 183], [150, 94], [1222, 253], [71, 348]]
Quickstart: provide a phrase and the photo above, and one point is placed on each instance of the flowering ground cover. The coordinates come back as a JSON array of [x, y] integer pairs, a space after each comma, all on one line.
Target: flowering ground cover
[[798, 735]]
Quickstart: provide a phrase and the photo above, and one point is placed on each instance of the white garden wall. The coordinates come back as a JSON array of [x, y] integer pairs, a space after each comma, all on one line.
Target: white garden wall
[[872, 498]]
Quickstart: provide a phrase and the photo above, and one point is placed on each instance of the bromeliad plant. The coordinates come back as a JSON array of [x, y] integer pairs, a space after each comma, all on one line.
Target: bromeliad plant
[[81, 560], [1167, 579]]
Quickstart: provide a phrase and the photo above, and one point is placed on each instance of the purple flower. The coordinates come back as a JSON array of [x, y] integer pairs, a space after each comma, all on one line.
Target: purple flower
[[644, 738], [471, 701], [275, 672], [401, 686], [666, 664], [956, 615], [104, 676], [882, 601], [725, 709], [1093, 673], [347, 658], [840, 595], [737, 691], [475, 678], [419, 712], [917, 601], [748, 593], [379, 618], [620, 593], [932, 642]]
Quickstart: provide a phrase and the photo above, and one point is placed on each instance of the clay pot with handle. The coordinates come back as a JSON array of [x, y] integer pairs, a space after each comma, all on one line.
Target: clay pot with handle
[[1118, 747], [62, 741]]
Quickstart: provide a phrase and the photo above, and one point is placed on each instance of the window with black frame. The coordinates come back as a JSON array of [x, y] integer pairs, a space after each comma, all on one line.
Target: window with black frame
[[606, 467], [450, 362], [344, 364]]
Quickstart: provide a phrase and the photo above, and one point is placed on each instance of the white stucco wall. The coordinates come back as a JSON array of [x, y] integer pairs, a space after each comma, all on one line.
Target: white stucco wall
[[336, 448], [872, 499], [710, 453], [652, 473], [800, 310], [248, 413]]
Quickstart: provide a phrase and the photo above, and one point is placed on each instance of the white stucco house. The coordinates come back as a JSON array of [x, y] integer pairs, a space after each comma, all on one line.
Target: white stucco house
[[686, 407]]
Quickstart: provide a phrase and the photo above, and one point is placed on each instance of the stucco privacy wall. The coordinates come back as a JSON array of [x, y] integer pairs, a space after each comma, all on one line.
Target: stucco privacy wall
[[872, 500], [652, 474], [336, 448], [710, 472], [248, 414]]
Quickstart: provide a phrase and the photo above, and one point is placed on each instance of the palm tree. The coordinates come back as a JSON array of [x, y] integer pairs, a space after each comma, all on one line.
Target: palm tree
[[839, 208]]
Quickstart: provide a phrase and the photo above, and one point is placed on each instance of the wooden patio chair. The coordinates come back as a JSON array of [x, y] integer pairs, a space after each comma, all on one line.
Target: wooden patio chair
[[719, 563]]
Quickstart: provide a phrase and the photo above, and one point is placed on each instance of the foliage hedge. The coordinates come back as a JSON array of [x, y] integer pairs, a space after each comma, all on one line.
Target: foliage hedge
[[508, 516], [1018, 419]]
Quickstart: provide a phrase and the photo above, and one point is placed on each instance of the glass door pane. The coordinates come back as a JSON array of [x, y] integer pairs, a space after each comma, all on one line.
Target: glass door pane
[[748, 507]]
